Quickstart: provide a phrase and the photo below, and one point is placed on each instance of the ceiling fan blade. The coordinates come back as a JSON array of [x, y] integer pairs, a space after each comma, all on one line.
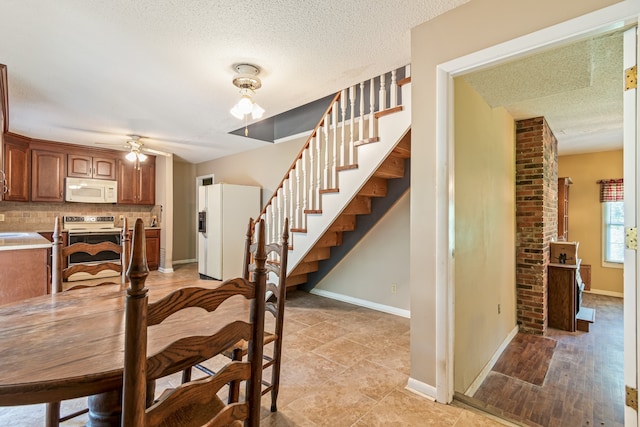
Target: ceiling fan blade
[[158, 152]]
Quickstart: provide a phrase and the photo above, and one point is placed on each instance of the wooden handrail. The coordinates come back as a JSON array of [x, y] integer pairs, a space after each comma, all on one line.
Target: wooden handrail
[[335, 99]]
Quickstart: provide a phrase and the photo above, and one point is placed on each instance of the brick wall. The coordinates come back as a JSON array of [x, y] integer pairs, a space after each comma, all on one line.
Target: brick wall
[[536, 219]]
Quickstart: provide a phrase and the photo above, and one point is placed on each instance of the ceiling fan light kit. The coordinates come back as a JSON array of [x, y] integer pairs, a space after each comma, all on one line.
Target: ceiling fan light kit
[[248, 82]]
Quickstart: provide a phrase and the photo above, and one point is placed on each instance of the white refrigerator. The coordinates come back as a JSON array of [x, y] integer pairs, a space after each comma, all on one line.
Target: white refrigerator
[[223, 215]]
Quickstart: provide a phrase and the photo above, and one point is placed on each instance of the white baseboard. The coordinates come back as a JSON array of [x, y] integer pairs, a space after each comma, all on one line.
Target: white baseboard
[[421, 389], [165, 270], [362, 303], [184, 261], [607, 293], [475, 385]]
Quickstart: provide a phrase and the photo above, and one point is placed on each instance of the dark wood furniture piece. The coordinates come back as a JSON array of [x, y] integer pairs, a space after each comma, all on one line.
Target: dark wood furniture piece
[[563, 208], [75, 345], [564, 295], [86, 166], [195, 403], [137, 181], [60, 272]]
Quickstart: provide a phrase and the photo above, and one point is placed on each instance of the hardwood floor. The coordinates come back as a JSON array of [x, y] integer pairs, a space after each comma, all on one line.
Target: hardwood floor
[[583, 385], [343, 365]]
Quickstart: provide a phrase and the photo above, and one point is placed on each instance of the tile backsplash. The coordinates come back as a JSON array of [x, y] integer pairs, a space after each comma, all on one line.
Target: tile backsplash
[[41, 216]]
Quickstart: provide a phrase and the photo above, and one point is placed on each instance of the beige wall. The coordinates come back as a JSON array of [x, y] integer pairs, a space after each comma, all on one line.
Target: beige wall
[[469, 28], [379, 260], [264, 167], [484, 232], [585, 212], [184, 211]]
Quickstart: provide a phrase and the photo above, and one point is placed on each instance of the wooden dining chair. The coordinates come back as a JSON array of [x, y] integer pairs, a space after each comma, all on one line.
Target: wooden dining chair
[[194, 403], [60, 273], [275, 297], [59, 276]]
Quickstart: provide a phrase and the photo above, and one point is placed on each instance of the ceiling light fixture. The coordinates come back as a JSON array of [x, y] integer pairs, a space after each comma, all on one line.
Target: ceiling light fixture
[[248, 82], [135, 153]]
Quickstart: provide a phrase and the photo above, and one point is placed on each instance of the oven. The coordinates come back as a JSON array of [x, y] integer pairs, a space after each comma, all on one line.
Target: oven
[[92, 230]]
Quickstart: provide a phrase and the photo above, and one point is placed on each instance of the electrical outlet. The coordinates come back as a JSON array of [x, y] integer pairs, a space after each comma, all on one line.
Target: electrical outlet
[[121, 218], [394, 288], [1, 217]]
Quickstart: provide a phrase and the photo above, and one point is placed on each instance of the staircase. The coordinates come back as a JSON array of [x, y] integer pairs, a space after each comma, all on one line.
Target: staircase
[[348, 159]]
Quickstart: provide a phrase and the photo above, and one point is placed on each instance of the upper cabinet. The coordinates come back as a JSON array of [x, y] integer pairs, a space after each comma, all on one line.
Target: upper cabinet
[[563, 208], [85, 166], [137, 181], [16, 168], [47, 175]]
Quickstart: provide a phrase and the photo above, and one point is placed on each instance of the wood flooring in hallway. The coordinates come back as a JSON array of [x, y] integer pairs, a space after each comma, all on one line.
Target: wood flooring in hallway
[[583, 385]]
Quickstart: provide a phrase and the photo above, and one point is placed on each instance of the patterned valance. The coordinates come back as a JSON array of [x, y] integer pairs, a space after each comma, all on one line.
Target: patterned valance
[[611, 190]]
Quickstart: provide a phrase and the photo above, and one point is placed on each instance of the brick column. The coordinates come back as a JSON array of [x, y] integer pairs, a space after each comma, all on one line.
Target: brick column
[[536, 219]]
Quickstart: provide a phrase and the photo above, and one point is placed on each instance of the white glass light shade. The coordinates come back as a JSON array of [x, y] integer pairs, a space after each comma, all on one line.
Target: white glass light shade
[[131, 156], [142, 157], [245, 104], [257, 111], [235, 112]]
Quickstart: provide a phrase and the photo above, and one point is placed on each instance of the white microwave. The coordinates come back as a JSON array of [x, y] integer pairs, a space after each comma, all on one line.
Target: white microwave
[[91, 190]]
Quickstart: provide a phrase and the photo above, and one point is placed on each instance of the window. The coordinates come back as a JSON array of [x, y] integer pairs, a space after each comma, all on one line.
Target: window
[[613, 239]]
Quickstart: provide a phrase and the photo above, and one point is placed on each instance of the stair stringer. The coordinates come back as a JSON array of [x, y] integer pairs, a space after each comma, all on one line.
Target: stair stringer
[[391, 129]]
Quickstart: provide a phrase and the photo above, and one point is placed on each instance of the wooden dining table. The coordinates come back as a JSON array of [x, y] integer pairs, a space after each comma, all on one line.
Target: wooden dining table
[[71, 344]]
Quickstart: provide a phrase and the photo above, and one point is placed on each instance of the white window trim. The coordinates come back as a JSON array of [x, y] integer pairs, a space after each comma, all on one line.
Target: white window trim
[[603, 243]]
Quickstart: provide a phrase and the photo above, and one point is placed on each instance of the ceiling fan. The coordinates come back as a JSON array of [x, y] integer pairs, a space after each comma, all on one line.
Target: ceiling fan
[[137, 149]]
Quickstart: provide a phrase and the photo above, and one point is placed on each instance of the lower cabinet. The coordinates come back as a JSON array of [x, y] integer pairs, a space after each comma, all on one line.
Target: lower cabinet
[[564, 296], [24, 274], [152, 238]]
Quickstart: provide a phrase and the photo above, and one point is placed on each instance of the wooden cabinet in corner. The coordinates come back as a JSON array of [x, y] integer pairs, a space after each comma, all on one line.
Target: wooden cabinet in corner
[[16, 168], [137, 181], [152, 239], [47, 175], [84, 166]]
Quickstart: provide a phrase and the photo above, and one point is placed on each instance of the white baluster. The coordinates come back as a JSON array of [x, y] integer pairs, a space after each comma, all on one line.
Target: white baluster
[[318, 170], [372, 107], [297, 222], [334, 163], [278, 224], [393, 90], [343, 110], [305, 188], [352, 101], [407, 71], [361, 124], [312, 174], [285, 207], [269, 217], [382, 102], [326, 151], [292, 200]]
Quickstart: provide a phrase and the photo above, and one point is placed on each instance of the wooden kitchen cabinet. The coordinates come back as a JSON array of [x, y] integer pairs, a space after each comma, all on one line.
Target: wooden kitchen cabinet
[[137, 181], [16, 168], [84, 166], [152, 239], [563, 208], [47, 175]]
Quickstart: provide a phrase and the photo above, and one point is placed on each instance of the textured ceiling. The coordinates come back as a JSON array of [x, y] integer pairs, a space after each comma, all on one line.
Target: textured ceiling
[[577, 88], [88, 71]]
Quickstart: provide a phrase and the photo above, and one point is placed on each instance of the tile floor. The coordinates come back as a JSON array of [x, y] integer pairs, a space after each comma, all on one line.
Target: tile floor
[[343, 365]]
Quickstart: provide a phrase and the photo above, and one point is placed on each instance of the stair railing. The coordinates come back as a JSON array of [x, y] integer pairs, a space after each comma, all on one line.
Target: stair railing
[[331, 147]]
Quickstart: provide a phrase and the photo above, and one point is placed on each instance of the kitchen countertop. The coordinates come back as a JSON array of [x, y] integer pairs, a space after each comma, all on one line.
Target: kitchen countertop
[[22, 240]]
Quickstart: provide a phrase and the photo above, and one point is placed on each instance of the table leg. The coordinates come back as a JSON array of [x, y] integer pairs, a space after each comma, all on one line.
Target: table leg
[[105, 409]]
